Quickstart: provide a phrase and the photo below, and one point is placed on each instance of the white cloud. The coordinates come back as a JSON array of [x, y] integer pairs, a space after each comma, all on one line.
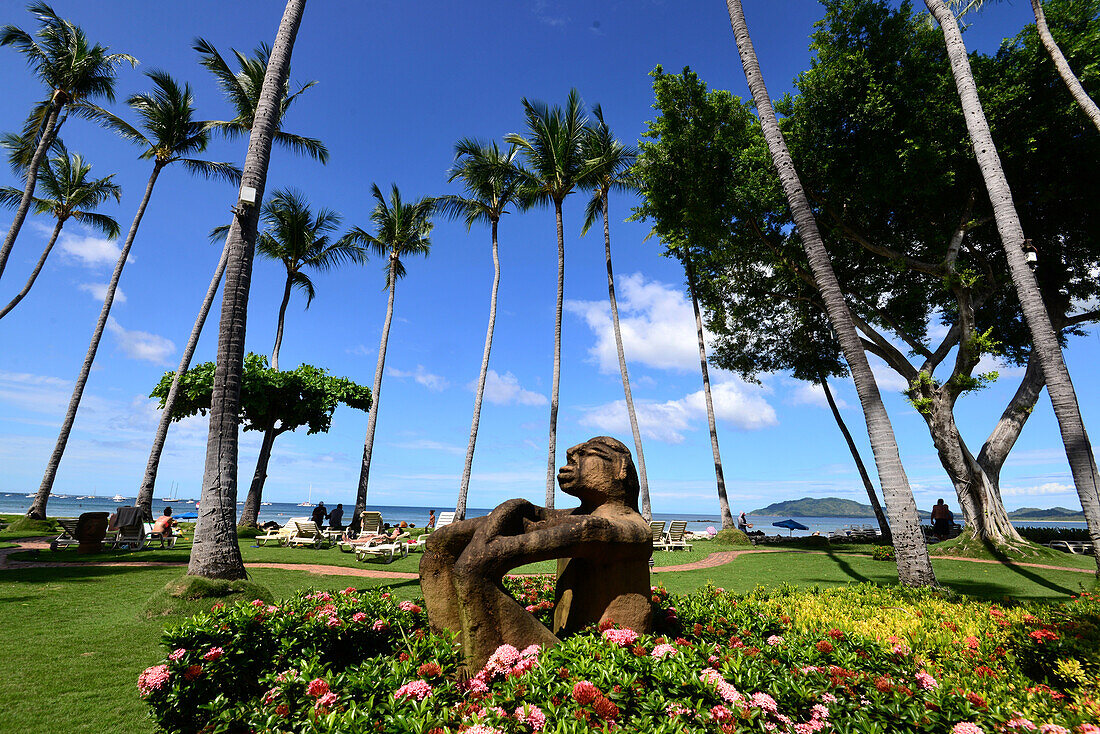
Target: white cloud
[[734, 403], [141, 344], [360, 350], [89, 250], [806, 393], [435, 383], [505, 389], [98, 291], [424, 444], [989, 363], [657, 324], [1048, 488]]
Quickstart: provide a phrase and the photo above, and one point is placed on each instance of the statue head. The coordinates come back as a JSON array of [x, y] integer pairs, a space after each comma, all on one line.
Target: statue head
[[600, 470]]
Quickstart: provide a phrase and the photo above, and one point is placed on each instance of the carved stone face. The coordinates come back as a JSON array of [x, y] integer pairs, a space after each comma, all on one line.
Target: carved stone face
[[592, 472]]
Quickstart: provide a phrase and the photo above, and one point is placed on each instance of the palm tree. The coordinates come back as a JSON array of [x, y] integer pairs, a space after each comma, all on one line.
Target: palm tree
[[300, 240], [402, 231], [555, 167], [215, 553], [68, 194], [242, 89], [1084, 101], [1082, 462], [74, 72], [609, 163], [167, 115], [914, 566], [491, 180]]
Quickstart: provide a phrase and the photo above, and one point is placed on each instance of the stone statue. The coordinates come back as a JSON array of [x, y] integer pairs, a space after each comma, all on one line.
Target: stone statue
[[603, 548]]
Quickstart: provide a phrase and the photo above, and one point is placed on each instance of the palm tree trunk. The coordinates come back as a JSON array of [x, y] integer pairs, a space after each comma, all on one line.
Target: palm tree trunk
[[551, 462], [1083, 99], [463, 490], [49, 132], [643, 478], [279, 325], [914, 565], [872, 496], [148, 484], [719, 476], [38, 507], [376, 393], [1082, 463], [250, 513], [215, 553], [34, 273]]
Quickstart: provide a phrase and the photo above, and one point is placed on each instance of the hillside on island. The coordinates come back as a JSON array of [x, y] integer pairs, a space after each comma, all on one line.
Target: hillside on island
[[837, 507]]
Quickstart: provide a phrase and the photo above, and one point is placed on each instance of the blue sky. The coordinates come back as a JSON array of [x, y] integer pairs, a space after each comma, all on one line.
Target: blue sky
[[399, 83]]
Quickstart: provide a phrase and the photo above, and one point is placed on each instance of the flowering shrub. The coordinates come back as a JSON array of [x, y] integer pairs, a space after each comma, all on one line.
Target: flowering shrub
[[857, 659], [883, 553]]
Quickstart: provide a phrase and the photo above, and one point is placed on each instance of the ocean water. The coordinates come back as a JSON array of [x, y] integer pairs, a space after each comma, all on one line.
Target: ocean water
[[280, 512]]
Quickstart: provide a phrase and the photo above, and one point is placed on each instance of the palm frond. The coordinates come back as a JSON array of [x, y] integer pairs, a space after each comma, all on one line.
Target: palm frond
[[219, 233], [312, 147], [592, 211], [213, 170], [301, 281], [10, 197], [112, 122], [99, 222]]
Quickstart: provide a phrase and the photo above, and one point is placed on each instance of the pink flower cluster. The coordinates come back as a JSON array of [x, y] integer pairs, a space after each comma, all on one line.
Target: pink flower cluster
[[317, 687], [764, 702], [724, 688], [926, 681], [380, 625], [213, 654], [966, 727], [177, 654], [1053, 729], [324, 704], [775, 640], [506, 661], [663, 651], [418, 689], [532, 716], [1020, 724], [408, 606], [622, 637], [153, 679], [482, 729]]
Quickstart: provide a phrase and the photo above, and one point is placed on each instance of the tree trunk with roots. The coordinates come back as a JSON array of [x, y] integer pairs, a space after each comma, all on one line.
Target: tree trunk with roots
[[38, 507], [551, 462], [914, 565], [719, 476], [215, 553], [872, 496], [1082, 97], [149, 482], [1082, 462], [34, 273], [376, 395], [643, 478], [49, 133], [467, 468]]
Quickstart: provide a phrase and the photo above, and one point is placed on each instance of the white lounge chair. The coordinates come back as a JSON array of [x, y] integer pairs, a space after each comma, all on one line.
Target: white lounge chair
[[676, 531], [279, 536], [387, 550], [445, 519], [306, 533], [68, 534], [657, 528]]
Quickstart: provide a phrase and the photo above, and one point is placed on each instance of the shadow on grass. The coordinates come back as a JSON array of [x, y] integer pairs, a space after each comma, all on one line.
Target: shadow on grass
[[1022, 571], [844, 566]]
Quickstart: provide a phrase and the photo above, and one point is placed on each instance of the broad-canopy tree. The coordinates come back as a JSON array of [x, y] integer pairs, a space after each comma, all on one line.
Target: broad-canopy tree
[[271, 400], [66, 193], [167, 133], [74, 71], [491, 179], [402, 230]]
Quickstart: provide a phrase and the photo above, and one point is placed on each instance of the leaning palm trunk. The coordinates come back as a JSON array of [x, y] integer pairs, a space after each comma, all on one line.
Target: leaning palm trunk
[[551, 468], [1082, 463], [38, 507], [463, 490], [872, 496], [643, 479], [376, 394], [1079, 94], [250, 513], [148, 484], [49, 132], [279, 325], [719, 476], [215, 553], [34, 273], [914, 566]]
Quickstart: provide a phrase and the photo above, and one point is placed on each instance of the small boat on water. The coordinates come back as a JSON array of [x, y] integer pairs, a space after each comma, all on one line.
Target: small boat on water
[[118, 498], [308, 502], [172, 494]]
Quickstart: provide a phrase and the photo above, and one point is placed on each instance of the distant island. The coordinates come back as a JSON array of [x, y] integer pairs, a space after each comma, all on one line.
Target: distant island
[[837, 507]]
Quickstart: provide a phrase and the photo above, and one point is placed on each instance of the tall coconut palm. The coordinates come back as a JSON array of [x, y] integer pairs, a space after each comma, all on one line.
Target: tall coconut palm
[[555, 167], [1082, 462], [1084, 101], [490, 178], [242, 89], [215, 553], [68, 193], [608, 166], [300, 240], [74, 72], [402, 230], [914, 566], [172, 134]]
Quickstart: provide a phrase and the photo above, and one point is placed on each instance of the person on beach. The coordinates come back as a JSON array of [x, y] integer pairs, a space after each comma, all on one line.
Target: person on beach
[[941, 520], [319, 515], [743, 523], [336, 518], [431, 520], [165, 524]]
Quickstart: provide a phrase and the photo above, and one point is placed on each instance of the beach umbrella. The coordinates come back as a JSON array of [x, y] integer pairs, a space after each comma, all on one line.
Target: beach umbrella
[[791, 525], [187, 516]]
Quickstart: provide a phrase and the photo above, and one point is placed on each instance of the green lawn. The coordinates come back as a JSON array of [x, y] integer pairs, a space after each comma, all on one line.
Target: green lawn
[[76, 640]]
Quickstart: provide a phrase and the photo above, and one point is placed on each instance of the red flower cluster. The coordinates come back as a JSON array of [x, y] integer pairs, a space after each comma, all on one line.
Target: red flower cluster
[[836, 634], [824, 646], [586, 694], [429, 670], [1041, 635]]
